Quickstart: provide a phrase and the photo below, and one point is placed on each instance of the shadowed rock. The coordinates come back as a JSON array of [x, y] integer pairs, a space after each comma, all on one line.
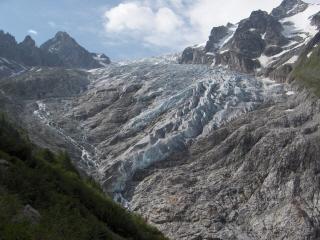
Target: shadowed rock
[[289, 8]]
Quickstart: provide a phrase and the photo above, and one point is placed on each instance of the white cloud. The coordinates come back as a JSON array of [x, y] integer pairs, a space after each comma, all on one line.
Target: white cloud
[[33, 32], [166, 21], [176, 23], [52, 24], [204, 14], [160, 26], [129, 16]]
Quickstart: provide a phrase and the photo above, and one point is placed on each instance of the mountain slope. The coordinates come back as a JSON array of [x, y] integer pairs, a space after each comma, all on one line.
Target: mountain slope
[[43, 197]]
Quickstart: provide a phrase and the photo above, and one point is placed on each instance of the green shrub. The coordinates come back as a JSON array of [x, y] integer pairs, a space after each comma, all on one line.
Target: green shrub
[[307, 72]]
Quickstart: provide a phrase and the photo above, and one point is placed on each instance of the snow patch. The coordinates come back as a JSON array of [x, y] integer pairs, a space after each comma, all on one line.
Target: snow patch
[[301, 22], [292, 60], [290, 93], [289, 110], [264, 60]]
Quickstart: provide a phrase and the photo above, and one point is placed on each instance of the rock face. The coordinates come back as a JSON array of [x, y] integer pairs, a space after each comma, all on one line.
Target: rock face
[[263, 44], [205, 54], [255, 33], [216, 35], [289, 8], [30, 54], [237, 61], [194, 55], [281, 73], [316, 20]]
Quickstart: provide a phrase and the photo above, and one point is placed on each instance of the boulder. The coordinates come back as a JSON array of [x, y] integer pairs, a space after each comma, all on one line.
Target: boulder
[[31, 214]]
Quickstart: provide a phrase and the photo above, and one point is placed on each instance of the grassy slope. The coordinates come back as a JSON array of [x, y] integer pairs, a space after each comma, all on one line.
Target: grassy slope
[[307, 72], [70, 208]]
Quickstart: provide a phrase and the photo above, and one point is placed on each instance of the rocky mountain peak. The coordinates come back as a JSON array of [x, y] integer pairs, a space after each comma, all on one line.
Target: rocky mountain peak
[[7, 38], [255, 33], [259, 21], [288, 8], [8, 46], [29, 42], [64, 37], [62, 34], [258, 13], [70, 52], [60, 51], [229, 25], [217, 33], [60, 42]]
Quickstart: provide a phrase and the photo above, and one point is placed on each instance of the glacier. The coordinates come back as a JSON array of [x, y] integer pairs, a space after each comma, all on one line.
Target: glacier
[[187, 102], [165, 107]]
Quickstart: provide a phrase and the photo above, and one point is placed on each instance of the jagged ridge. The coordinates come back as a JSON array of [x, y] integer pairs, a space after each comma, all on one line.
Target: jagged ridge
[[263, 44], [60, 51]]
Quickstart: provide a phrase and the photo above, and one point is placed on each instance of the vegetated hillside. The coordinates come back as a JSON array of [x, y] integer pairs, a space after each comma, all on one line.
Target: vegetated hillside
[[307, 71], [43, 197]]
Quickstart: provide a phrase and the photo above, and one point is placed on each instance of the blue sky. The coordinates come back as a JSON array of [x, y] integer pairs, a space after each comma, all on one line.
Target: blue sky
[[125, 29], [80, 18]]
